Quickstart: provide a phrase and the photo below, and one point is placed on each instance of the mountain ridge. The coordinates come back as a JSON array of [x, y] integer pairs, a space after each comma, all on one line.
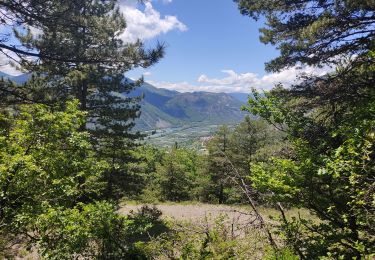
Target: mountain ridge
[[163, 108], [171, 108]]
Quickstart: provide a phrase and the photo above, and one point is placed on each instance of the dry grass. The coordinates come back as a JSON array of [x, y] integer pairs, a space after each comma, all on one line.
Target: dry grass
[[233, 230], [199, 212]]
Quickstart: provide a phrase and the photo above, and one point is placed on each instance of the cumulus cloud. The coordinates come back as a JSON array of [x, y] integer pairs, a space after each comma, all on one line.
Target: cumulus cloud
[[148, 23], [35, 31], [242, 82], [178, 86], [6, 64], [141, 24]]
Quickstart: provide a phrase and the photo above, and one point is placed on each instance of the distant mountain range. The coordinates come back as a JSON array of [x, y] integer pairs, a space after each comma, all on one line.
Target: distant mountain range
[[162, 108], [20, 79]]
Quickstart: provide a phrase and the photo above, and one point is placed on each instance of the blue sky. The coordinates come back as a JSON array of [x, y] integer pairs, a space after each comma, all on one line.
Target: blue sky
[[210, 46], [217, 38]]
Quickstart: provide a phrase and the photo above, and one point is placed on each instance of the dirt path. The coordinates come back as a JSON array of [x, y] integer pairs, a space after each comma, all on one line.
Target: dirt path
[[197, 213]]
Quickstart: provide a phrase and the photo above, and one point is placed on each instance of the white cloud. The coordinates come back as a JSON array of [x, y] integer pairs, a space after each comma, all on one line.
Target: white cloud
[[147, 23], [6, 65], [242, 82], [178, 86], [35, 31], [165, 1], [141, 24]]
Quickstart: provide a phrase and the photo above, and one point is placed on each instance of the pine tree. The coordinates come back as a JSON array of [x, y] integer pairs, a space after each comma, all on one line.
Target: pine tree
[[314, 32], [246, 140], [35, 14], [219, 164], [329, 121], [101, 86]]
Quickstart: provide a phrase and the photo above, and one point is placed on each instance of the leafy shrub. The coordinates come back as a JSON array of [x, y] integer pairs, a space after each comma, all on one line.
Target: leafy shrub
[[96, 231], [211, 240]]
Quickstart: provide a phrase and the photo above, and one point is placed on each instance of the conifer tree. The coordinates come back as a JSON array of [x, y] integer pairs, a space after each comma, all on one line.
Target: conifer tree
[[101, 86], [329, 121], [219, 166], [97, 86], [314, 32], [33, 14]]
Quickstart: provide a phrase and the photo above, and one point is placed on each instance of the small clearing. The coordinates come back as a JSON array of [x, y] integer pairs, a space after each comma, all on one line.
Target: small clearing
[[201, 213]]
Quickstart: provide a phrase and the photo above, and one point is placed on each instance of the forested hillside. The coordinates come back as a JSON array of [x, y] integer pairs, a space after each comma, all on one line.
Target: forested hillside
[[162, 108], [291, 177]]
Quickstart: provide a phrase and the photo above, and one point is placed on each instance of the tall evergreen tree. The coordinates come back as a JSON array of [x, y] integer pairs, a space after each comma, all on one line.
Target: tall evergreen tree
[[101, 86], [314, 32], [328, 119], [245, 141], [34, 14], [96, 36], [219, 165]]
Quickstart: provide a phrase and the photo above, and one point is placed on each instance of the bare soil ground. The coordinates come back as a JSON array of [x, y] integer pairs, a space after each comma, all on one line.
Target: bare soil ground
[[202, 214], [193, 212]]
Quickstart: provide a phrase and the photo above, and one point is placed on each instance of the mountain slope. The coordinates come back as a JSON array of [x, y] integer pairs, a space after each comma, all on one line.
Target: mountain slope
[[162, 108], [20, 79], [243, 97]]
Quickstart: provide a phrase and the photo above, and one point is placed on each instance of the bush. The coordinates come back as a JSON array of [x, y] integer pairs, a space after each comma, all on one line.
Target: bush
[[96, 231]]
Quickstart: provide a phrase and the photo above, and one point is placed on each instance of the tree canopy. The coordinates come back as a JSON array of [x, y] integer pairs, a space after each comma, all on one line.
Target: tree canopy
[[314, 32], [328, 120]]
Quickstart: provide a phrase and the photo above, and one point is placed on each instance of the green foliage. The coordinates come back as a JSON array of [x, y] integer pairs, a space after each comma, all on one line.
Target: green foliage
[[280, 174], [81, 57], [177, 174], [58, 160], [329, 121], [231, 152], [95, 231], [140, 177], [38, 15], [85, 230], [49, 180], [43, 148], [212, 240], [313, 32], [100, 86], [45, 161], [219, 168], [165, 175], [282, 254], [336, 184]]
